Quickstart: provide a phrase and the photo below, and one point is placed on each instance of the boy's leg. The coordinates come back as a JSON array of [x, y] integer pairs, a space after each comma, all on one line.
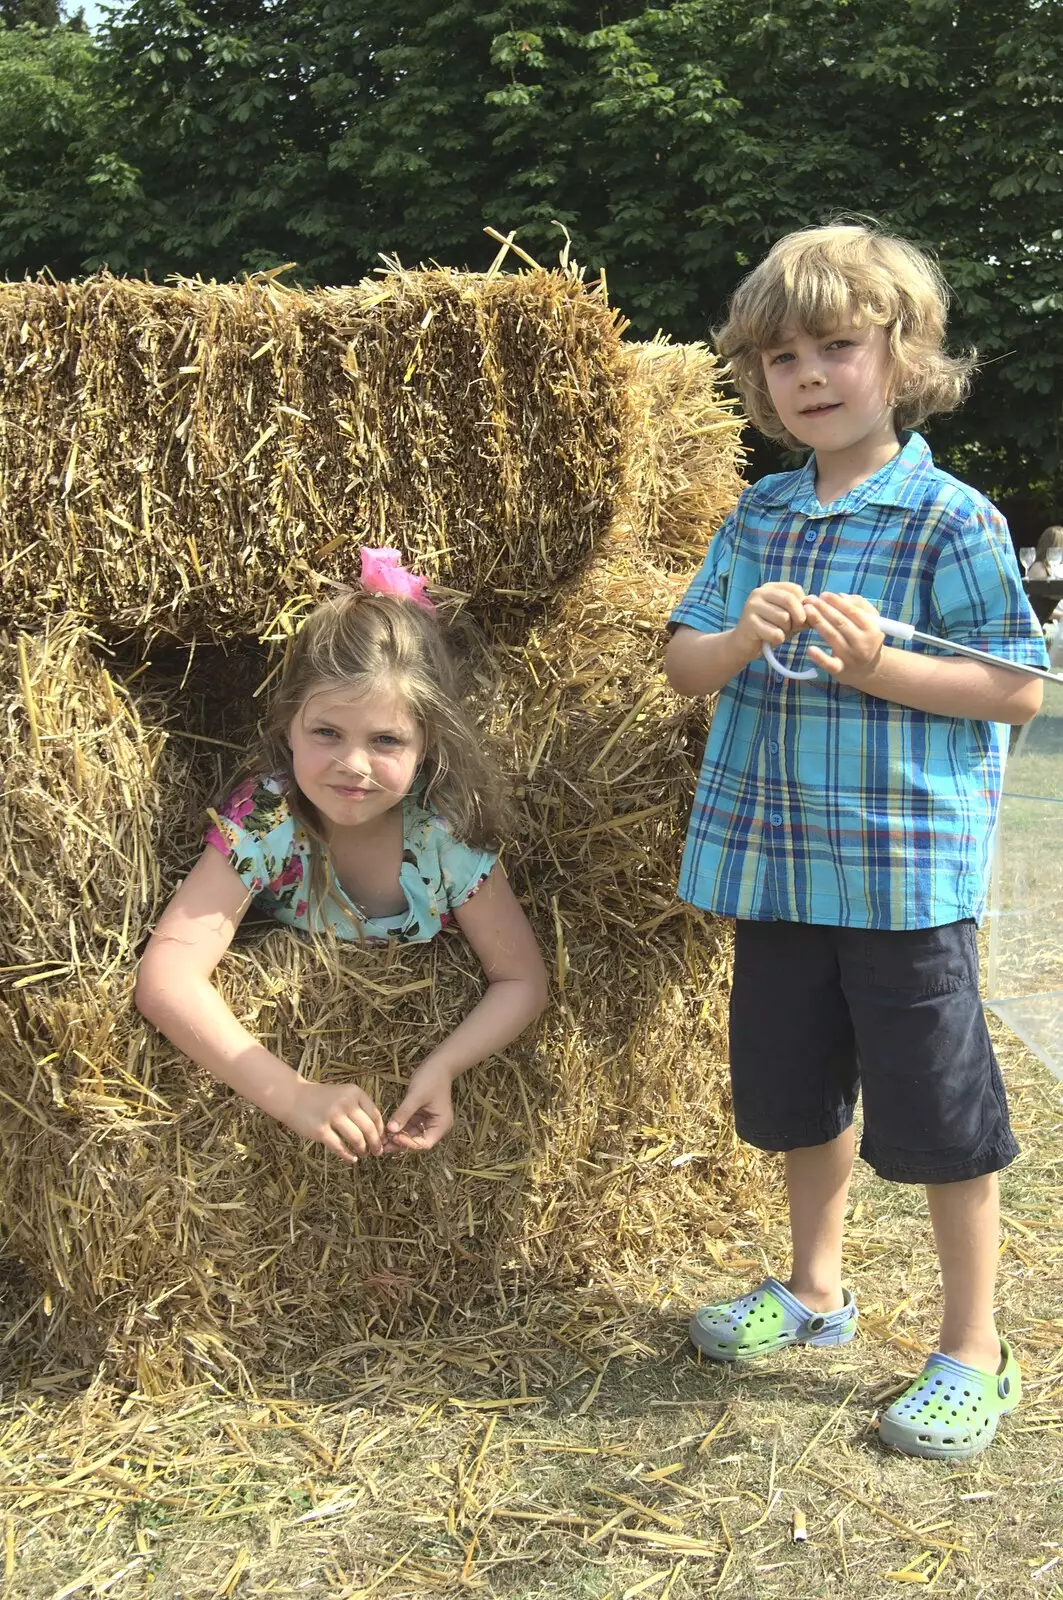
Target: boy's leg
[[817, 1186], [935, 1111], [793, 1077], [966, 1218]]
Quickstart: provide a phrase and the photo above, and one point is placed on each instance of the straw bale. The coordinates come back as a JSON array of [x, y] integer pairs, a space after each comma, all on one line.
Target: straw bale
[[498, 430], [685, 457], [188, 460], [186, 1230]]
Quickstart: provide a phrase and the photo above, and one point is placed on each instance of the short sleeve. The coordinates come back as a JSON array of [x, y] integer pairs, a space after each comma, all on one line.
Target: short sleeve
[[978, 598], [704, 606], [243, 829], [463, 868]]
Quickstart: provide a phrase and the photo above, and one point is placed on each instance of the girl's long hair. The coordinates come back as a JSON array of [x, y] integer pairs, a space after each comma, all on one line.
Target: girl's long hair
[[364, 642]]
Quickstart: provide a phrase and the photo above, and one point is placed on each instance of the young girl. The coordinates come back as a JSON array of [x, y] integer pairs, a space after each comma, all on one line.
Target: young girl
[[371, 815]]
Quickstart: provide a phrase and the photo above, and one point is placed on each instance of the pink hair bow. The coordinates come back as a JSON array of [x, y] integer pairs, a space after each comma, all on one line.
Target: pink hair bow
[[384, 573]]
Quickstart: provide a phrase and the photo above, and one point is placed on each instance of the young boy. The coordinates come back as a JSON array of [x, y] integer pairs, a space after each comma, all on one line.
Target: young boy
[[846, 823]]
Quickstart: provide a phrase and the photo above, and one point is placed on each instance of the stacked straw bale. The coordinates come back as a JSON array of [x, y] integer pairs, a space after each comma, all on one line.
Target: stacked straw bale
[[178, 1229], [682, 455], [188, 460]]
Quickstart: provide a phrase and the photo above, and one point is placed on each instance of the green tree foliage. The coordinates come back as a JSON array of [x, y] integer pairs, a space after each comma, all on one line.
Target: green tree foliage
[[67, 197], [675, 142], [219, 108], [705, 130], [41, 13]]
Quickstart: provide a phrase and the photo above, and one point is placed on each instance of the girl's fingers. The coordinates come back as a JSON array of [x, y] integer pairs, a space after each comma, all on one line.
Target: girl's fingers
[[333, 1142], [371, 1127], [372, 1112], [415, 1141], [399, 1144], [364, 1114], [345, 1128]]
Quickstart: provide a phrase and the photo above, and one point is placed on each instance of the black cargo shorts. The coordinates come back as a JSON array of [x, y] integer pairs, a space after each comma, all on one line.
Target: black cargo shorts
[[821, 1014]]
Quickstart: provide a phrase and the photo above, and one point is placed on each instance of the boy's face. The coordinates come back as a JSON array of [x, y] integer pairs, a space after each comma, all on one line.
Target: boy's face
[[832, 392]]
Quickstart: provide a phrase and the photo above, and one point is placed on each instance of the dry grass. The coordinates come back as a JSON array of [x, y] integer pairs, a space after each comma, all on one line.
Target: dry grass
[[572, 1447], [682, 461], [186, 1231]]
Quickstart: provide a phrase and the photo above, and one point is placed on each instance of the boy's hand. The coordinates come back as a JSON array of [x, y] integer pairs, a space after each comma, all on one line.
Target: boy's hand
[[425, 1114], [338, 1115], [849, 626], [770, 615]]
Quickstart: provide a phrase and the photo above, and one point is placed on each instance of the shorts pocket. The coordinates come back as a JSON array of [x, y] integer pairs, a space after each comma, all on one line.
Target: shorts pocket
[[914, 962]]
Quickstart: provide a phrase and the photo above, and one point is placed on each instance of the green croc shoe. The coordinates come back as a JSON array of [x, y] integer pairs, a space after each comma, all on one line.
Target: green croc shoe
[[767, 1320], [951, 1411]]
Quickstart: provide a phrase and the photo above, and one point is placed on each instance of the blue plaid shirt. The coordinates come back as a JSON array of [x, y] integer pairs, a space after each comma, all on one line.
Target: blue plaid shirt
[[817, 803]]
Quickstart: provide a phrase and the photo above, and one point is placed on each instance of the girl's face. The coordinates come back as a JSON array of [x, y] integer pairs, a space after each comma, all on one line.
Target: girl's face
[[355, 756]]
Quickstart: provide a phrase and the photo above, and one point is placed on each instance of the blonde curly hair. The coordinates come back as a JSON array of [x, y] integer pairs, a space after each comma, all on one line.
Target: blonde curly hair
[[819, 278]]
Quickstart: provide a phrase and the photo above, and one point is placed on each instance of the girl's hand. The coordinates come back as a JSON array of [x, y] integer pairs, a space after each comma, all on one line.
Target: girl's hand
[[338, 1115], [425, 1115], [849, 626], [770, 615]]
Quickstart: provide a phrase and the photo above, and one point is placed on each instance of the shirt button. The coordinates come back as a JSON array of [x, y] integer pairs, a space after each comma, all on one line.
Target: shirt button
[[810, 536], [776, 819], [774, 747]]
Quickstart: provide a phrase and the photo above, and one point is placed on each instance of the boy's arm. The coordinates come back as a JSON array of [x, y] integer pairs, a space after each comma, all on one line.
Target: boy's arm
[[699, 663], [857, 654]]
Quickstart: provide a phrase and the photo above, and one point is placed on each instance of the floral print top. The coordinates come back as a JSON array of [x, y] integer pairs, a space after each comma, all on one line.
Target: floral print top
[[270, 850]]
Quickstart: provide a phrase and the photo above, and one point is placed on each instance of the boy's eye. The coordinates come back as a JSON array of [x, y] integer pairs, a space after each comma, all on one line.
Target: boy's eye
[[324, 733], [783, 355], [840, 344]]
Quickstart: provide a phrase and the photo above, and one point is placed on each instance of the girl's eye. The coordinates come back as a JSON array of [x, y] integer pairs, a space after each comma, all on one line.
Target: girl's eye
[[841, 344], [784, 355], [389, 741], [324, 733]]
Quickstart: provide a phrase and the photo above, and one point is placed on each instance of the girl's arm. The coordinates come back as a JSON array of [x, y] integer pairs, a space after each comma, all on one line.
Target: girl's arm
[[517, 991], [175, 992]]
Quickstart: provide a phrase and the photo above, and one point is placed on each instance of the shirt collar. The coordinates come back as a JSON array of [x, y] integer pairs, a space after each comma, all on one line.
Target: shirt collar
[[901, 482]]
